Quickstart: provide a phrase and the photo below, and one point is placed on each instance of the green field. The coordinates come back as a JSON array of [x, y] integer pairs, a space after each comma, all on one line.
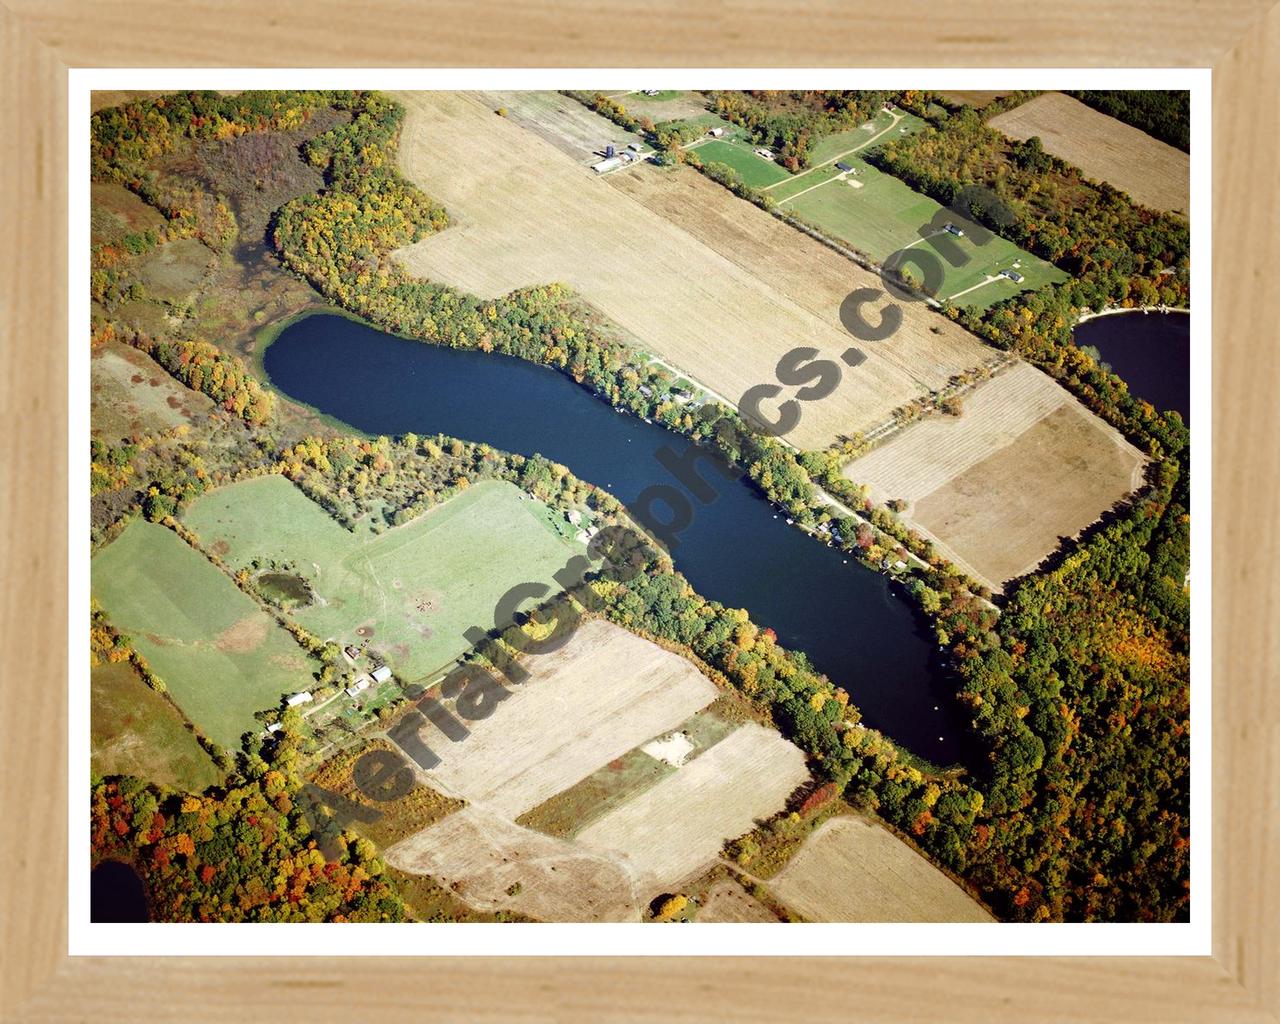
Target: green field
[[885, 215], [135, 731], [825, 153], [829, 147], [220, 655], [706, 120], [754, 170], [411, 592]]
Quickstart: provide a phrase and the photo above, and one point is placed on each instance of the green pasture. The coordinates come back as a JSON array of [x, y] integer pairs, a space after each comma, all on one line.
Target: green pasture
[[830, 147], [754, 170], [705, 121], [410, 592], [885, 215], [220, 655], [135, 731]]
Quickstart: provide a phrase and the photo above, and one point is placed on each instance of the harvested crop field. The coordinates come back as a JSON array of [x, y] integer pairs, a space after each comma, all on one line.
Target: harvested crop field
[[601, 694], [679, 826], [914, 361], [880, 879], [575, 130], [1152, 172], [997, 487], [219, 654], [621, 778], [491, 864], [733, 301], [132, 394], [727, 902]]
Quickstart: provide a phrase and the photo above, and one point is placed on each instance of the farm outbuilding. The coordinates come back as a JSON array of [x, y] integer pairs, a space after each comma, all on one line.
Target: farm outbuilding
[[299, 698], [361, 684], [612, 163], [381, 674]]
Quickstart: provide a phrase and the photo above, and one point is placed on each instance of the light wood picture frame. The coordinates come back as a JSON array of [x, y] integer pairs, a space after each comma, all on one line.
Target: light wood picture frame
[[41, 39]]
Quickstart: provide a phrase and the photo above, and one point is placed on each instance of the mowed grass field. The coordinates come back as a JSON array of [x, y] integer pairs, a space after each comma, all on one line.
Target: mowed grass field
[[412, 591], [732, 303], [220, 655], [741, 156], [879, 215], [1154, 173], [855, 870], [1024, 465], [135, 731]]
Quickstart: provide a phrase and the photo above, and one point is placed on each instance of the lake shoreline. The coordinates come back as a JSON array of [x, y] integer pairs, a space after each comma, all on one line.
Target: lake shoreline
[[397, 384], [1150, 353], [1090, 314]]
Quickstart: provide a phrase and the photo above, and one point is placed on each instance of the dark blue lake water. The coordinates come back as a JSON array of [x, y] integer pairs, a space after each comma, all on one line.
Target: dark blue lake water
[[1151, 351], [737, 550], [116, 895]]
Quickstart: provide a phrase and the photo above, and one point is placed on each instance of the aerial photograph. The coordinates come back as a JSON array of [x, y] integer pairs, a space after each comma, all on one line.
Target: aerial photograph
[[653, 506]]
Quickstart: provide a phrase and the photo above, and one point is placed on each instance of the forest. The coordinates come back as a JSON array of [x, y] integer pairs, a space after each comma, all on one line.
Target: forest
[[1094, 232], [246, 853]]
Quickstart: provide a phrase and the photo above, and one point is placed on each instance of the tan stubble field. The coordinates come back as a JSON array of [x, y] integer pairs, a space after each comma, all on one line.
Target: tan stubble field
[[525, 213], [1152, 172]]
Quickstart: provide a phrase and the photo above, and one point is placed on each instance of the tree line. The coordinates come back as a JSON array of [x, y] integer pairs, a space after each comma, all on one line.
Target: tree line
[[1091, 230], [1162, 113], [791, 121], [202, 367]]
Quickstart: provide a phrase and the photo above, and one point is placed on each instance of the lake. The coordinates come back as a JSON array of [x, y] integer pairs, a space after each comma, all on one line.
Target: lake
[[1150, 351], [116, 895], [738, 549]]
